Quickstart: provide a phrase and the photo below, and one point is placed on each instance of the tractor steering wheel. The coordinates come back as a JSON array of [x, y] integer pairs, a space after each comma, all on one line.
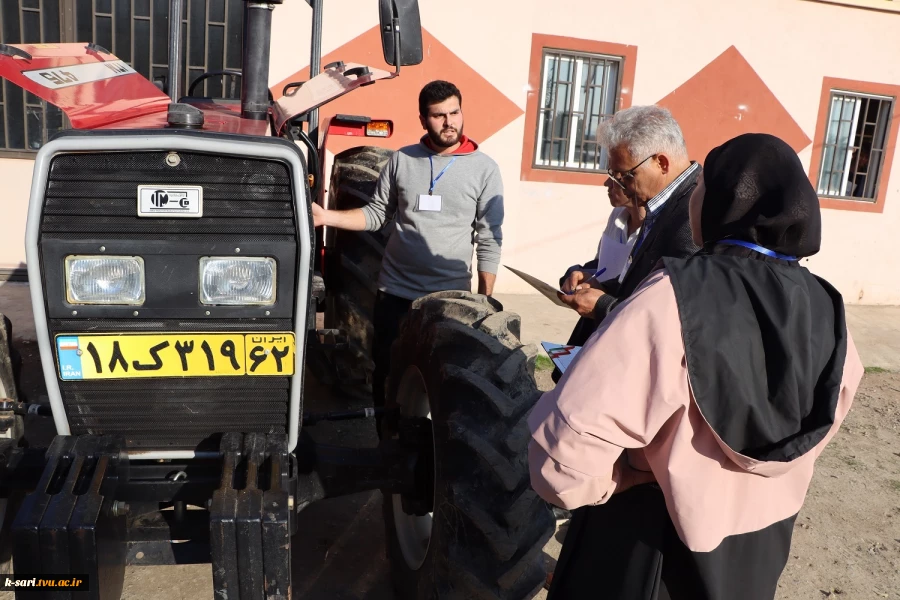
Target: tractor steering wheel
[[209, 74]]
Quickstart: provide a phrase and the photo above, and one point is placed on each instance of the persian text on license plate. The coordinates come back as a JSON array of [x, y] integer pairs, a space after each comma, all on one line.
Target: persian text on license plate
[[144, 355]]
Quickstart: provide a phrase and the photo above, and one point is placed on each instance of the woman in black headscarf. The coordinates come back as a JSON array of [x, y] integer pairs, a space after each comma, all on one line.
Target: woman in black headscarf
[[685, 431]]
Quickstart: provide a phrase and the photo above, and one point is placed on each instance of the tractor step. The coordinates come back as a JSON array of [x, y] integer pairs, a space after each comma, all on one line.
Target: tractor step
[[250, 519], [70, 524]]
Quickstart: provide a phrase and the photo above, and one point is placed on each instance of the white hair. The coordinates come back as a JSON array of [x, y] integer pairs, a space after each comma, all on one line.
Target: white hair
[[644, 131]]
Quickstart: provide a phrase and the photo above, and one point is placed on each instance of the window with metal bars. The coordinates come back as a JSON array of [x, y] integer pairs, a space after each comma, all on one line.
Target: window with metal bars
[[137, 31], [578, 92], [27, 122], [855, 140]]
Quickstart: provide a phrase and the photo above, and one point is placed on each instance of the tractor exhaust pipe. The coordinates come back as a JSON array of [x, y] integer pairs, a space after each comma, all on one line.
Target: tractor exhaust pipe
[[255, 79], [176, 52]]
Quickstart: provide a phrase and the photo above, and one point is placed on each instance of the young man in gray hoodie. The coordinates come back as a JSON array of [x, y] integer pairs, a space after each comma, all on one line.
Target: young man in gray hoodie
[[445, 197]]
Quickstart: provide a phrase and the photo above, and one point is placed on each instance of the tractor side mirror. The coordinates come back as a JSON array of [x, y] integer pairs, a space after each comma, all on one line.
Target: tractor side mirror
[[401, 32]]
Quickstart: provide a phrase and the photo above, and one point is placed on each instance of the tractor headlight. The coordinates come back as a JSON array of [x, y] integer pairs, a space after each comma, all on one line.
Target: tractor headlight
[[105, 280], [237, 281]]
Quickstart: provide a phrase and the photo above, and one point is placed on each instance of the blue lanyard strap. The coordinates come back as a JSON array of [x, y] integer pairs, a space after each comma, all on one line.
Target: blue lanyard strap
[[434, 179], [757, 248], [645, 231]]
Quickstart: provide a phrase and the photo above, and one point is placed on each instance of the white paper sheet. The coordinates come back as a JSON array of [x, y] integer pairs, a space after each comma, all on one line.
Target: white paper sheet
[[545, 288]]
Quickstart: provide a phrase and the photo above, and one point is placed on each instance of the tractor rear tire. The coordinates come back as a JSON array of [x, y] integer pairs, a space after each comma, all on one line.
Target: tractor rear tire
[[10, 363], [354, 259], [459, 361]]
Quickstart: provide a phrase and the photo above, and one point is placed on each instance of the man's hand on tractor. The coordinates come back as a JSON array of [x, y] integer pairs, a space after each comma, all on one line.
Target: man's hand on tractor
[[353, 219], [318, 215], [583, 300]]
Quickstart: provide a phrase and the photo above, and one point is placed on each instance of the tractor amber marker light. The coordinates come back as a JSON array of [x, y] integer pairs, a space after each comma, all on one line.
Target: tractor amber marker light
[[378, 129]]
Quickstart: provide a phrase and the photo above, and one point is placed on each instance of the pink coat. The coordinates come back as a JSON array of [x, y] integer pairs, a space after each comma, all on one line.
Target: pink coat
[[624, 414]]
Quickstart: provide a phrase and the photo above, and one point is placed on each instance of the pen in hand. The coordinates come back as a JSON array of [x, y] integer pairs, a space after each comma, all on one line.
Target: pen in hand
[[588, 280]]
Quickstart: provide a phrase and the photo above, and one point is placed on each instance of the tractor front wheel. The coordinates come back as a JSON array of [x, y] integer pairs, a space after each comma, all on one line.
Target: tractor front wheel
[[9, 368], [476, 529]]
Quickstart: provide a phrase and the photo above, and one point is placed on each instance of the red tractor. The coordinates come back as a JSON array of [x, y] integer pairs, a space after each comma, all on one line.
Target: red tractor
[[176, 277]]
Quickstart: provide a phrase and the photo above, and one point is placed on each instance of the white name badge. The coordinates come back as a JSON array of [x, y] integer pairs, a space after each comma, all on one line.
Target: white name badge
[[429, 203]]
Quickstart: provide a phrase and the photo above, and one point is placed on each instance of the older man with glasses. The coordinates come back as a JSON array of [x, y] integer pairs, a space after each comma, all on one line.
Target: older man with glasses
[[649, 161]]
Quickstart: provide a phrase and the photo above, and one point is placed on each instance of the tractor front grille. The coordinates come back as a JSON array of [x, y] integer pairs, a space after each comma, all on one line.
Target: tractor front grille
[[177, 414], [92, 196]]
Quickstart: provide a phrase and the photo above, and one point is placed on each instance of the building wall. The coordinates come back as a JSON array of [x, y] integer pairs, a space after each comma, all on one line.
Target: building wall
[[684, 60], [789, 46], [15, 175]]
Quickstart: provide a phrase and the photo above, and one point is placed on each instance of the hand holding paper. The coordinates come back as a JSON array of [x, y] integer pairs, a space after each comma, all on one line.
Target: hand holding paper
[[583, 300], [580, 277], [544, 288]]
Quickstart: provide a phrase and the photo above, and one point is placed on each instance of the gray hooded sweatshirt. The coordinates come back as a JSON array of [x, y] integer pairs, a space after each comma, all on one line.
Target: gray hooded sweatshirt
[[431, 250]]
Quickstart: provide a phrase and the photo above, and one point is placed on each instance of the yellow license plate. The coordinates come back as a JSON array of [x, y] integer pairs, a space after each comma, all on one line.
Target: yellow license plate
[[145, 355]]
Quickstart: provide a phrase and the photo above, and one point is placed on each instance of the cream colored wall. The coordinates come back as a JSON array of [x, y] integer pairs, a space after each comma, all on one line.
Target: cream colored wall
[[550, 226], [15, 175], [291, 32]]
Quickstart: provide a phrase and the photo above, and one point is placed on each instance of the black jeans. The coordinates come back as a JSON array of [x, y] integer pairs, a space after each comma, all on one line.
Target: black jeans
[[615, 550], [389, 312]]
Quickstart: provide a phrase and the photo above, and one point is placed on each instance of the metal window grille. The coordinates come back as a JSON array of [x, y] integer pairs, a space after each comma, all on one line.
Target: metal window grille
[[27, 121], [137, 31], [855, 140], [578, 92]]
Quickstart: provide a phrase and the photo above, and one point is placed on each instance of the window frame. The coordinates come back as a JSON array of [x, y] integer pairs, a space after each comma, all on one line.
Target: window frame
[[540, 43], [848, 169], [578, 90], [46, 37], [831, 86]]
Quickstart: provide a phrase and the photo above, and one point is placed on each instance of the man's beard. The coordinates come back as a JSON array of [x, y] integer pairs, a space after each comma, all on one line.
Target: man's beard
[[440, 142]]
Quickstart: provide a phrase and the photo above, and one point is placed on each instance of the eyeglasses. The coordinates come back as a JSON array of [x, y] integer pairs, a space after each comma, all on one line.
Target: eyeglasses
[[619, 176]]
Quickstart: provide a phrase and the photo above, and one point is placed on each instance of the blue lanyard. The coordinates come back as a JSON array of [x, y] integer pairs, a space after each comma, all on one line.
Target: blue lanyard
[[757, 248], [645, 230], [434, 179]]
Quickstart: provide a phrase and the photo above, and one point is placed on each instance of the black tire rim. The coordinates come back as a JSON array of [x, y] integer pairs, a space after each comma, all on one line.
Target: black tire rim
[[413, 532]]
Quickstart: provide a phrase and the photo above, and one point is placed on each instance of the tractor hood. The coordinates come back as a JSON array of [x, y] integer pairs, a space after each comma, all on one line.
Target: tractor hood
[[93, 87], [97, 90]]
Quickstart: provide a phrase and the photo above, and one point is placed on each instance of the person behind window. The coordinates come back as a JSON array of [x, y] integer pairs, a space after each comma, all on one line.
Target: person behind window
[[684, 434], [861, 173]]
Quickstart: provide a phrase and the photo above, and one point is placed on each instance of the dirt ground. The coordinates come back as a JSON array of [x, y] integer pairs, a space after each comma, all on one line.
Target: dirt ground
[[846, 542]]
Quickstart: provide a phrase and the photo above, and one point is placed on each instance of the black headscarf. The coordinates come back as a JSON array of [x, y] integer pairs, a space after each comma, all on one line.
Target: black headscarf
[[764, 339], [757, 191]]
